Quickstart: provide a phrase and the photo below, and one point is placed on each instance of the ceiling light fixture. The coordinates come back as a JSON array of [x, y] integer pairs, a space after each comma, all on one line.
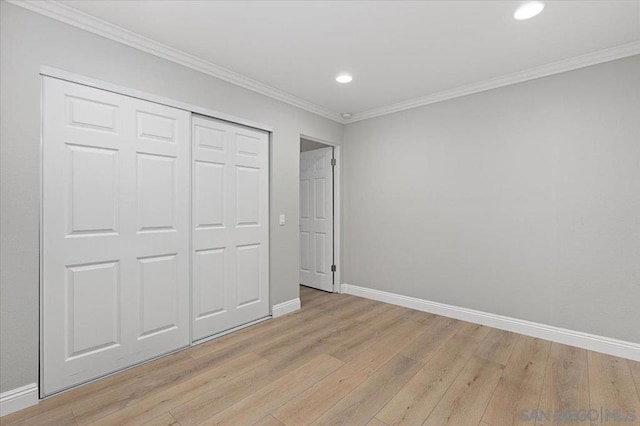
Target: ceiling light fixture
[[528, 10], [344, 78]]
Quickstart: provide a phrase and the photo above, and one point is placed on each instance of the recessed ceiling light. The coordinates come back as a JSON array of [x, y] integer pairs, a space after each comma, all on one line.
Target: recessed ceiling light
[[344, 78], [346, 115], [528, 10]]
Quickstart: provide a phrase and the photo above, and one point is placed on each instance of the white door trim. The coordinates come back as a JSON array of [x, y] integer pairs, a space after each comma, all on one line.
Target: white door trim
[[134, 93], [337, 207]]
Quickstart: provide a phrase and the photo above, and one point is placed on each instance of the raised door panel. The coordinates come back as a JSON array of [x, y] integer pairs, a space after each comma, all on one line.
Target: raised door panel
[[208, 137], [320, 252], [209, 283], [320, 198], [305, 199], [156, 127], [248, 275], [209, 190], [307, 247], [93, 308], [91, 114], [92, 193], [248, 144], [158, 295], [156, 185], [247, 196], [305, 250]]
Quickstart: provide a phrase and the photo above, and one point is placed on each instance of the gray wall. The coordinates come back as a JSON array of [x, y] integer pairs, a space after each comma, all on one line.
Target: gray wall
[[28, 41], [307, 145], [521, 201]]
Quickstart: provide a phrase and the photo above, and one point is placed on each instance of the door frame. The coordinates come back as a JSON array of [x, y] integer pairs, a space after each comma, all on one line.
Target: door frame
[[337, 210], [48, 71]]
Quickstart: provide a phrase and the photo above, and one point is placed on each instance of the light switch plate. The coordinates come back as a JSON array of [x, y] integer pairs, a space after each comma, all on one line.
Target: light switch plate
[[281, 220]]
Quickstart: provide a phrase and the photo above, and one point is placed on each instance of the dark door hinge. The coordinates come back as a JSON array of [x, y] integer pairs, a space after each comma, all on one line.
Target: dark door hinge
[[333, 268]]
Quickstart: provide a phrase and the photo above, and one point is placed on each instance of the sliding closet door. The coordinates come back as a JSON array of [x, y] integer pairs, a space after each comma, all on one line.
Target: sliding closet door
[[230, 226], [116, 184]]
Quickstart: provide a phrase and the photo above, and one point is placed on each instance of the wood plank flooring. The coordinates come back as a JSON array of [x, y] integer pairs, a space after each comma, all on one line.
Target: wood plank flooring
[[347, 360]]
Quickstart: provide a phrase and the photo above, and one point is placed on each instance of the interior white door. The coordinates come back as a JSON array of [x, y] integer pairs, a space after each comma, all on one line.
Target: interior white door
[[116, 184], [316, 218], [230, 225]]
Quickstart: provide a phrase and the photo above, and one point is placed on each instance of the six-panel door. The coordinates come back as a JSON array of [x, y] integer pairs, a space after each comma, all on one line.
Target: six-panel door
[[316, 218], [230, 225], [116, 185]]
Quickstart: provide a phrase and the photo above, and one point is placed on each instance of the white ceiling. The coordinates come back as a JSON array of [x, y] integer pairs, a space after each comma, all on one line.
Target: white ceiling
[[395, 50]]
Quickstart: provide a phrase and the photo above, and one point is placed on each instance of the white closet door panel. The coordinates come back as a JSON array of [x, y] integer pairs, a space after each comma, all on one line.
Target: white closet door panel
[[158, 202], [230, 226], [115, 232]]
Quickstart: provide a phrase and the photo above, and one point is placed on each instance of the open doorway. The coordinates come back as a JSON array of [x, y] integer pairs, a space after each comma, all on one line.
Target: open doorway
[[319, 214]]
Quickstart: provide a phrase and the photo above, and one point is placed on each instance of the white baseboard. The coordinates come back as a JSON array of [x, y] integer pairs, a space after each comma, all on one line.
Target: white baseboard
[[579, 339], [285, 307], [17, 399]]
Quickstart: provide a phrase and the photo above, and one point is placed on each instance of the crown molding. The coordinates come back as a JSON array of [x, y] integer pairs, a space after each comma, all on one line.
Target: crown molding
[[593, 58], [84, 21]]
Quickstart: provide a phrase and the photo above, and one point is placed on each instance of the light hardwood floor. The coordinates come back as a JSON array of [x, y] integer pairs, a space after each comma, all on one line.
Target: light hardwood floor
[[347, 360]]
